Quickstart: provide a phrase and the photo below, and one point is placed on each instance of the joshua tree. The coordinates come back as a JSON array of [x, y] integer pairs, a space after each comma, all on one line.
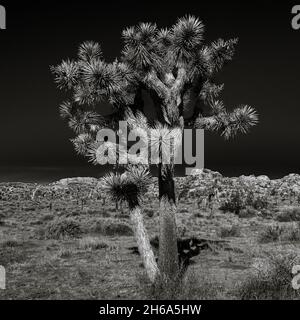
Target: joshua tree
[[176, 69], [130, 187]]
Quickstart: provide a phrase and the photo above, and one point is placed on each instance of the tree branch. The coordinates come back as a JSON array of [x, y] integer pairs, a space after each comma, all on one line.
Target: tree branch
[[152, 81], [180, 81]]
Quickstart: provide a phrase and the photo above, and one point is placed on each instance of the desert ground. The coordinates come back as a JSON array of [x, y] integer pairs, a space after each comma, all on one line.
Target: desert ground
[[68, 240]]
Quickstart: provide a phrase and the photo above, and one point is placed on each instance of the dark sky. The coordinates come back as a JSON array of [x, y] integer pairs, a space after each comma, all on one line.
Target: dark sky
[[264, 74]]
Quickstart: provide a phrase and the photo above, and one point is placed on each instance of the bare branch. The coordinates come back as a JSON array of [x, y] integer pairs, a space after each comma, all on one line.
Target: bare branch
[[152, 80]]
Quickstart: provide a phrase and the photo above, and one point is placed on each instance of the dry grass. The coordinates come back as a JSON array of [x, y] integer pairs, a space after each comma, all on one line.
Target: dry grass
[[84, 253], [92, 243], [271, 280]]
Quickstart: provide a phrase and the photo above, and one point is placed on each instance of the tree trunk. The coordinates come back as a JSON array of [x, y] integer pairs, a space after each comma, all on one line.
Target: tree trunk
[[143, 243], [168, 251]]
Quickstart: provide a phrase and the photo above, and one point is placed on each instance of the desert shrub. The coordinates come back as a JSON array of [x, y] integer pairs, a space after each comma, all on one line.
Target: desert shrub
[[2, 216], [200, 286], [192, 286], [92, 243], [270, 280], [113, 227], [229, 231], [257, 201], [290, 213], [266, 213], [248, 212], [11, 243], [234, 202], [292, 233], [242, 196], [271, 233], [47, 217], [274, 233], [62, 228], [11, 251]]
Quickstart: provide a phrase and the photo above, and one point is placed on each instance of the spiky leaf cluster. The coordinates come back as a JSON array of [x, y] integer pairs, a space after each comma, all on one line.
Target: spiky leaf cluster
[[129, 186], [174, 65], [229, 124]]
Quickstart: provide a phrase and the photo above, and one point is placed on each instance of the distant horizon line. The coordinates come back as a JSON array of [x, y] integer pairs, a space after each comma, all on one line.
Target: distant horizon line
[[52, 173]]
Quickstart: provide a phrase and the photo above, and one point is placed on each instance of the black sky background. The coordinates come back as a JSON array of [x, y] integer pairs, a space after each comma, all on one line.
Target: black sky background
[[264, 74]]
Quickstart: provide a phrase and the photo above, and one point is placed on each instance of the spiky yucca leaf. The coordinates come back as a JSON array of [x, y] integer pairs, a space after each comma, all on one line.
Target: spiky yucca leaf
[[66, 110], [112, 81], [244, 118], [200, 64], [143, 34], [187, 36], [210, 91], [118, 186], [222, 51], [87, 94], [239, 120], [147, 33], [129, 36], [66, 74], [137, 120], [83, 121], [98, 74], [140, 175], [90, 50], [229, 124], [126, 73], [129, 186], [207, 123], [82, 143], [217, 107], [140, 47], [163, 39]]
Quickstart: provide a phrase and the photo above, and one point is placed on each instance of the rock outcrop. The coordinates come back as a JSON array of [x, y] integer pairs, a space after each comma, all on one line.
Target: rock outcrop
[[201, 183]]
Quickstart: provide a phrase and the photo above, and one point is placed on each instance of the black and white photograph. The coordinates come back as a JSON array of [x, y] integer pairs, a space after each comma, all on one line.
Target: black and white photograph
[[149, 150]]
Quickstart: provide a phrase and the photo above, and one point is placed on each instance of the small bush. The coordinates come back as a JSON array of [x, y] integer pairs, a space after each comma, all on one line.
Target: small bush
[[242, 197], [62, 228], [229, 231], [292, 233], [271, 233], [290, 213], [271, 280], [11, 251], [92, 243], [248, 212], [10, 244], [113, 227], [46, 218], [191, 286], [2, 216], [234, 203], [258, 202]]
